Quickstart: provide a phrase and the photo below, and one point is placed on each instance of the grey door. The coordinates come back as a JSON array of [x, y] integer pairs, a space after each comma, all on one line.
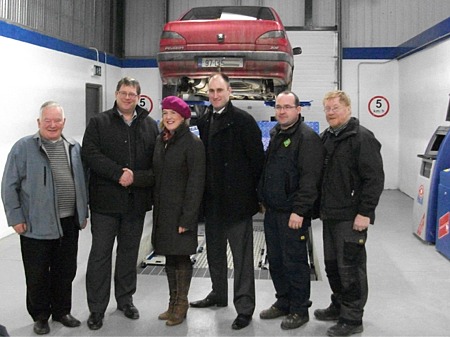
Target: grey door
[[93, 100]]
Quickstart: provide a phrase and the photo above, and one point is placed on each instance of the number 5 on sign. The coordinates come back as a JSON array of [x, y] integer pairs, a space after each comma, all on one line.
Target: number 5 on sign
[[146, 103], [378, 106]]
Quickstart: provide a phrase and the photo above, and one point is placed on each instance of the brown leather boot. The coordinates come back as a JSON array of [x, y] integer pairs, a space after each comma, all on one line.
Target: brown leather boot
[[181, 305], [172, 280]]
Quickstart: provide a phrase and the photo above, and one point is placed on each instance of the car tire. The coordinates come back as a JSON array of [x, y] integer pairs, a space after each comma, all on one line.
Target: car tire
[[279, 88]]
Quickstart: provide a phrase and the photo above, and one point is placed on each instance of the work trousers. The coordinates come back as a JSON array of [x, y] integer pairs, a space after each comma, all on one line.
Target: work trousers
[[50, 267], [105, 228], [239, 235], [345, 266], [289, 268]]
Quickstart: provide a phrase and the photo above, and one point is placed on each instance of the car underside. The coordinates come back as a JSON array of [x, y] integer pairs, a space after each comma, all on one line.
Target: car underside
[[242, 88]]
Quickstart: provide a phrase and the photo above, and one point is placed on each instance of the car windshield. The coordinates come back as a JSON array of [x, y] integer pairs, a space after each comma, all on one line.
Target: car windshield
[[229, 13]]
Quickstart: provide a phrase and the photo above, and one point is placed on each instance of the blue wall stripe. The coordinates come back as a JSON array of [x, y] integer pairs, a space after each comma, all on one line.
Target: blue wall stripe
[[369, 53], [139, 63], [25, 35], [432, 35]]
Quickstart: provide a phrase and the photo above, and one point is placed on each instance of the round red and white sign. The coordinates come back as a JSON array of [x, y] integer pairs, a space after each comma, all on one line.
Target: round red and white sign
[[146, 103], [378, 106]]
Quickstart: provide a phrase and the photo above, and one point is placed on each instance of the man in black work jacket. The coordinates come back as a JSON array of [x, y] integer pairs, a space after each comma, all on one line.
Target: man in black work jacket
[[289, 191], [118, 148], [353, 181], [234, 161]]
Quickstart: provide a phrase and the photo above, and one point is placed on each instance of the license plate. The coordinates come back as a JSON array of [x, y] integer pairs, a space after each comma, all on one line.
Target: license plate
[[216, 62]]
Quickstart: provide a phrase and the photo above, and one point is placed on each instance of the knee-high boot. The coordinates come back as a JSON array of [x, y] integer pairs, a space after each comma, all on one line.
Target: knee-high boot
[[181, 305], [172, 280]]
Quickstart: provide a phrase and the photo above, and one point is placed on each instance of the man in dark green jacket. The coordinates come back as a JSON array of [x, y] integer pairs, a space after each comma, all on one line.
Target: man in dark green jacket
[[289, 191]]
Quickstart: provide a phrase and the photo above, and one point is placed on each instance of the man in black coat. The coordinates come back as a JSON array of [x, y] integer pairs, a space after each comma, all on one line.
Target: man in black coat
[[118, 147], [234, 161], [353, 181], [289, 190]]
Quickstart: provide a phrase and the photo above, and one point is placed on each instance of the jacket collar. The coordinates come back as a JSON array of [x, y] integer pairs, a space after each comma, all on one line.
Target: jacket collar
[[69, 141], [350, 130], [181, 130], [225, 114], [289, 131]]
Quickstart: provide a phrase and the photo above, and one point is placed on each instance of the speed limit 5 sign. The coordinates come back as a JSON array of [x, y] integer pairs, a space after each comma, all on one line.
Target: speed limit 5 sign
[[378, 106]]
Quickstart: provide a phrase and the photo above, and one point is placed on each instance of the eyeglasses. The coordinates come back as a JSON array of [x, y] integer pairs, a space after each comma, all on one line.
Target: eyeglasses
[[336, 108], [124, 94], [284, 107]]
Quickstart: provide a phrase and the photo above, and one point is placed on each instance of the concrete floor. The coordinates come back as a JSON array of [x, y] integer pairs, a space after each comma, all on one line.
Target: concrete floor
[[409, 290]]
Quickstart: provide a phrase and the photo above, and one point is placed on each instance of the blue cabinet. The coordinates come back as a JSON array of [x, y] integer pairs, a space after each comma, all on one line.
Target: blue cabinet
[[443, 214]]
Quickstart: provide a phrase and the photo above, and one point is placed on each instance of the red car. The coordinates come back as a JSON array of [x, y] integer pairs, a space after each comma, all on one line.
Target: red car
[[248, 43]]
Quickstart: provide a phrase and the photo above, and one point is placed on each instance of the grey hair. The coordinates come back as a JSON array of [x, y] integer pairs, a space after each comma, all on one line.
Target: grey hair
[[51, 104]]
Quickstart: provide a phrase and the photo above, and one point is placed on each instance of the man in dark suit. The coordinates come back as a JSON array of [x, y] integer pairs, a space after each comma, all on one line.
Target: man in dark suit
[[234, 161], [118, 148]]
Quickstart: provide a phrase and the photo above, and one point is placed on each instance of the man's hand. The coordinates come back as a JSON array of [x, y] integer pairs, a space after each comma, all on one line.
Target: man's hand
[[20, 228], [295, 221], [361, 223], [127, 178]]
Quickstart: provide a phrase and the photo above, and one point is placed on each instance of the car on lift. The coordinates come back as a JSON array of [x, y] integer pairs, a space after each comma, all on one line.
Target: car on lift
[[248, 43]]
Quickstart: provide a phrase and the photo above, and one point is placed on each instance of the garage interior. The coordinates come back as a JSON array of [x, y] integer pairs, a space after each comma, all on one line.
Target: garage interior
[[392, 48]]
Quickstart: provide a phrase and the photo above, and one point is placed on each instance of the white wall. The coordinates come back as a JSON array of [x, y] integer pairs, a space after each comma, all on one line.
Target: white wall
[[32, 75], [418, 88], [363, 80], [424, 82]]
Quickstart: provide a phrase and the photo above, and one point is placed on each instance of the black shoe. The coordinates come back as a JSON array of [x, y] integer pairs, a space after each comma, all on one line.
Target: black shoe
[[95, 320], [241, 321], [329, 314], [208, 302], [41, 327], [130, 311], [294, 321], [68, 321], [343, 329], [271, 313]]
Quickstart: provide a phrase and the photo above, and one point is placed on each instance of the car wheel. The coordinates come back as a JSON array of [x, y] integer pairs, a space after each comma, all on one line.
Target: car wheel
[[280, 88]]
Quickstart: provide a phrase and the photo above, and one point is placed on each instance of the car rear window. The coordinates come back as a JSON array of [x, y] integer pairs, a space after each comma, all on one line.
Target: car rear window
[[229, 13]]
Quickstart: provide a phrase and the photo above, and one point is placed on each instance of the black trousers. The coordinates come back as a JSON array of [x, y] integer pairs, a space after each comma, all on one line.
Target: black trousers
[[50, 267], [240, 238], [3, 331], [345, 266], [287, 254], [105, 228]]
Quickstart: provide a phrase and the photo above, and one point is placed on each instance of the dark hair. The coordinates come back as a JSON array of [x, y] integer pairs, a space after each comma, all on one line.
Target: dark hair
[[288, 92], [225, 77], [131, 82]]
